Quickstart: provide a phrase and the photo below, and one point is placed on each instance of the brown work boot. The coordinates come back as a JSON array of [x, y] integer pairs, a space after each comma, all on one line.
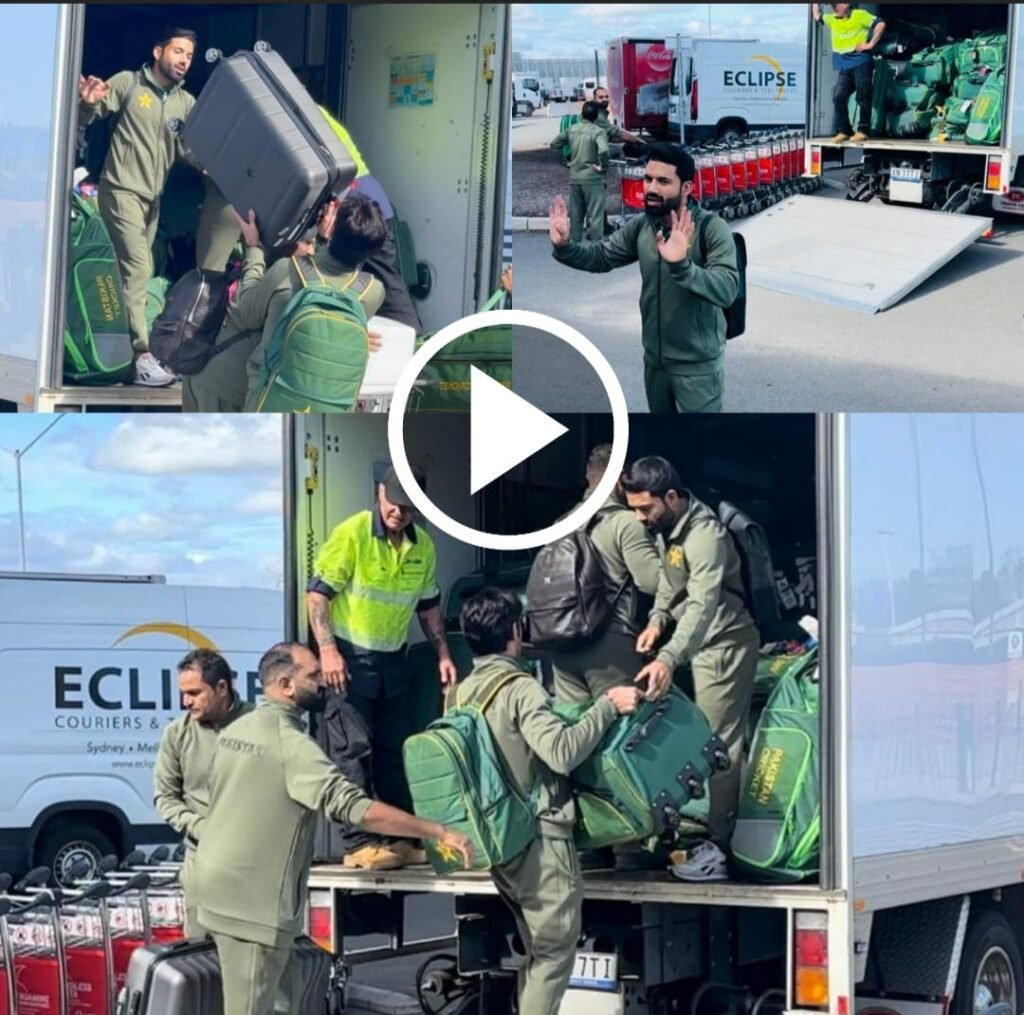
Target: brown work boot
[[840, 138], [374, 857], [409, 852], [859, 137]]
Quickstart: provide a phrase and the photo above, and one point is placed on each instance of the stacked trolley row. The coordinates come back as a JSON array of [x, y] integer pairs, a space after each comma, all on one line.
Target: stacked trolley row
[[66, 952], [735, 179]]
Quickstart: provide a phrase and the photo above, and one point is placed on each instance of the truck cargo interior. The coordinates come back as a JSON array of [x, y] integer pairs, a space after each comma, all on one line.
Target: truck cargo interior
[[765, 465], [931, 24]]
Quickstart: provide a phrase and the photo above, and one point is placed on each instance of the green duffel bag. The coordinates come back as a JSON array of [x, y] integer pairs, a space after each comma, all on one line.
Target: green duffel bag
[[778, 822], [651, 769], [444, 384], [912, 123], [986, 126], [97, 344], [456, 778], [987, 50], [903, 95], [317, 356], [935, 67]]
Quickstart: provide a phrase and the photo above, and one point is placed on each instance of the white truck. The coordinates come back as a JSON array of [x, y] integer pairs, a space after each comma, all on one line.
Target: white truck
[[918, 909], [446, 154], [723, 89], [951, 176], [526, 98], [90, 671]]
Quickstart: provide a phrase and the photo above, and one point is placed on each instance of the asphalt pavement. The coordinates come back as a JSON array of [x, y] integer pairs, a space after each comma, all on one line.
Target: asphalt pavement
[[954, 344]]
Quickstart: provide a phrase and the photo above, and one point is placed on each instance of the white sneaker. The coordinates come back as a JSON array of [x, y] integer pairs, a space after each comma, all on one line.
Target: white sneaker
[[150, 373], [705, 862]]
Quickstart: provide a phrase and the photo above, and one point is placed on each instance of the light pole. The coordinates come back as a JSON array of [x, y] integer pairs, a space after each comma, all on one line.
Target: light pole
[[18, 455]]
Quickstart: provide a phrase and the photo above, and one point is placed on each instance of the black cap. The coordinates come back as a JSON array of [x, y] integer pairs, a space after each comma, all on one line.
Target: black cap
[[393, 487]]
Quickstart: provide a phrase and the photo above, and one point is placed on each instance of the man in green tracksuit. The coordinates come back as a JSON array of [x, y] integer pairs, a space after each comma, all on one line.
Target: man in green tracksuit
[[181, 776], [701, 594], [631, 567], [268, 783], [588, 164], [542, 886], [689, 273], [231, 377], [142, 152], [615, 133]]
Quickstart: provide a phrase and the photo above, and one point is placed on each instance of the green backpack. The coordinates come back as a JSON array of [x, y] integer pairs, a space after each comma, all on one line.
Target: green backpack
[[457, 779], [566, 122], [316, 358], [444, 384], [986, 124], [97, 344], [778, 823]]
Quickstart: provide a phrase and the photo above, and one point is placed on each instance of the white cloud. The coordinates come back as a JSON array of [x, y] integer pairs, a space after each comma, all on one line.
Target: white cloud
[[148, 526], [192, 444], [262, 502]]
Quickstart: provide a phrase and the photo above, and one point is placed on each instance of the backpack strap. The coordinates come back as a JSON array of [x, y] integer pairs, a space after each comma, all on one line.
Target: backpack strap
[[702, 238], [309, 274], [485, 697]]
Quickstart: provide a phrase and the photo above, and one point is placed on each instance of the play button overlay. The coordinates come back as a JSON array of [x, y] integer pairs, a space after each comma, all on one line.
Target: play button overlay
[[506, 430]]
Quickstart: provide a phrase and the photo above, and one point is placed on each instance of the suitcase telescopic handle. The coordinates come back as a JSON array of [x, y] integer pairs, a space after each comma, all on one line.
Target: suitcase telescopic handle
[[643, 731]]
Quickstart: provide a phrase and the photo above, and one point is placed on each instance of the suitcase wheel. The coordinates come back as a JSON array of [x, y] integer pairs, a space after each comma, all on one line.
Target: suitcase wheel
[[665, 811], [716, 755], [213, 55], [690, 779], [261, 47]]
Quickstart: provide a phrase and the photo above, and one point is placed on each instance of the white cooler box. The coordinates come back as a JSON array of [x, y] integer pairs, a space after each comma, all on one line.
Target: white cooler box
[[386, 365]]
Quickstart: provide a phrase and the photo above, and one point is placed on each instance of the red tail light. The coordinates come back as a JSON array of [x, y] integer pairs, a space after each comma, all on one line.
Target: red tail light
[[693, 101], [320, 919], [810, 949]]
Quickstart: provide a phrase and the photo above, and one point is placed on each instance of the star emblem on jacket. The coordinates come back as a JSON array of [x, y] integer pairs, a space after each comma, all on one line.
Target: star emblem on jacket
[[675, 556], [145, 100]]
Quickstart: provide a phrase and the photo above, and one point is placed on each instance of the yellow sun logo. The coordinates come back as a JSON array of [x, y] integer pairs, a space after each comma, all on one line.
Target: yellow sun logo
[[145, 100], [675, 556]]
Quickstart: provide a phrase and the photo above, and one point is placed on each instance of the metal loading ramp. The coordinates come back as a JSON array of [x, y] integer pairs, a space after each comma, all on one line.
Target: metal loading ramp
[[865, 257]]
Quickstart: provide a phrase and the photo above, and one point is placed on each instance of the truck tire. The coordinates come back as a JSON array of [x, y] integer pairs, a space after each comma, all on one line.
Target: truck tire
[[991, 971], [729, 131], [62, 845]]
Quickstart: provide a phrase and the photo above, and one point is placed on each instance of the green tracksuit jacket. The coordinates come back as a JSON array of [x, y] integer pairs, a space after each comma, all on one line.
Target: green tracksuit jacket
[[681, 305]]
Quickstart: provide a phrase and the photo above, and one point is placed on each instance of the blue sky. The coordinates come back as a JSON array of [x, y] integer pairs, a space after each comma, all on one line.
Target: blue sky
[[197, 499], [574, 30]]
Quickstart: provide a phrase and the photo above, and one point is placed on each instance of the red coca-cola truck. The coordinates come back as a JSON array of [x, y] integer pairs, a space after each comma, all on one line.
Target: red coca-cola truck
[[639, 82]]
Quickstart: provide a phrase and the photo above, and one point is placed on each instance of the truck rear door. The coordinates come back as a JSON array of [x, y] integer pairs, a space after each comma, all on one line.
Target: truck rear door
[[34, 76], [866, 257], [430, 124]]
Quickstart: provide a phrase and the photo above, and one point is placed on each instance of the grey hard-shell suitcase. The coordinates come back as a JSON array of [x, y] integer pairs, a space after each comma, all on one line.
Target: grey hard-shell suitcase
[[183, 978], [263, 141]]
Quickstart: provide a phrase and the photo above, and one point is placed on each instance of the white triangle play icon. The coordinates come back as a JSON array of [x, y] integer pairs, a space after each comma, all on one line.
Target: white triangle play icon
[[504, 430]]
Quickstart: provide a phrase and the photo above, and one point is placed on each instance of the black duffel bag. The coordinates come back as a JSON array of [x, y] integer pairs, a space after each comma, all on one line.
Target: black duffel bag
[[183, 336]]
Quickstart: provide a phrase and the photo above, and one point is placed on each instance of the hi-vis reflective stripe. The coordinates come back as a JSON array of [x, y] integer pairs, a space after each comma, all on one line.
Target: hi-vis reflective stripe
[[392, 598], [368, 641]]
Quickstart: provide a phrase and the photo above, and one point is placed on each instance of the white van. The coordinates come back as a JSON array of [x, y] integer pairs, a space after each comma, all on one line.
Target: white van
[[526, 98], [89, 664], [723, 89]]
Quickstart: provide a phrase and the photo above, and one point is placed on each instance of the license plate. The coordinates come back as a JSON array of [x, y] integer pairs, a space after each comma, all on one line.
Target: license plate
[[595, 971], [904, 175]]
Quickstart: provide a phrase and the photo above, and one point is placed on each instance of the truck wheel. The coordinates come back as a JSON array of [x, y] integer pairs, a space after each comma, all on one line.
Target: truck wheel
[[990, 967], [64, 845]]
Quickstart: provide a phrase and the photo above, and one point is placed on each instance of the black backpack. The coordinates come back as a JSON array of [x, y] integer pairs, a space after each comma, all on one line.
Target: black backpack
[[183, 336], [756, 566], [736, 315], [565, 592]]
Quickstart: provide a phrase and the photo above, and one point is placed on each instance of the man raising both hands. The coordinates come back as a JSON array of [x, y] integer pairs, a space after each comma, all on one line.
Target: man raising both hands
[[689, 277]]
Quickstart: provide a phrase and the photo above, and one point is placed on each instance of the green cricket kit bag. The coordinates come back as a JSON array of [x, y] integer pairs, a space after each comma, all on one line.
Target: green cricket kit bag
[[651, 769], [317, 357], [986, 125], [444, 384], [456, 778], [778, 823], [97, 344]]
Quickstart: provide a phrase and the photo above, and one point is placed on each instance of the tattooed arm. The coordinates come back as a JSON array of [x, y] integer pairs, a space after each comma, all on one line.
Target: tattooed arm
[[332, 665]]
